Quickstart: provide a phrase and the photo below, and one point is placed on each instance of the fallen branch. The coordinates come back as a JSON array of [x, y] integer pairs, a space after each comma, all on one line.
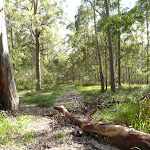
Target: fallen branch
[[124, 137]]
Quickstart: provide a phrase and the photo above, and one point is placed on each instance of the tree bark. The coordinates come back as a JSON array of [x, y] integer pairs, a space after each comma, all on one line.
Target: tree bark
[[8, 94], [124, 137], [147, 25], [98, 53], [119, 60], [110, 53], [38, 68], [13, 47], [106, 66]]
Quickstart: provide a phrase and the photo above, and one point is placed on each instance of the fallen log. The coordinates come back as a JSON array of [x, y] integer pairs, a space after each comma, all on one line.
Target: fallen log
[[121, 136]]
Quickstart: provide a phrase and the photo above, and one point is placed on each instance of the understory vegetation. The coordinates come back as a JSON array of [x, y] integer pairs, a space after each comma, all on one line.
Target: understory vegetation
[[126, 107], [44, 98], [15, 131]]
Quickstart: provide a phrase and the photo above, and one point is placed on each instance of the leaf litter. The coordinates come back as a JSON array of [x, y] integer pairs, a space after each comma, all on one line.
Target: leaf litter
[[55, 132]]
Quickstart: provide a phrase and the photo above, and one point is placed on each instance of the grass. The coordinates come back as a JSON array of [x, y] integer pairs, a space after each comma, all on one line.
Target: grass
[[14, 132], [91, 93], [60, 134], [136, 115], [42, 98]]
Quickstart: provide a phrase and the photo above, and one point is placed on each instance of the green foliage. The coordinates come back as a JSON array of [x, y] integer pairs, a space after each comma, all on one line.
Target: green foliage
[[21, 24], [14, 132], [42, 99], [135, 115], [60, 134], [74, 58], [132, 114]]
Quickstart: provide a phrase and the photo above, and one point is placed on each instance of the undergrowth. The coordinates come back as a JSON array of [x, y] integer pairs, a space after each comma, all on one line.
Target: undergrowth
[[132, 114], [15, 131], [43, 98]]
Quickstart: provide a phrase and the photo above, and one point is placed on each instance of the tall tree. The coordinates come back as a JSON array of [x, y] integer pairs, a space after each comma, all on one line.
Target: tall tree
[[147, 26], [110, 52], [119, 60], [98, 52], [37, 34], [8, 93]]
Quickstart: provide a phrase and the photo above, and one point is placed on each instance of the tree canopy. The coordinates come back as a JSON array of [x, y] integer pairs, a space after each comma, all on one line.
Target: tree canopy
[[75, 57]]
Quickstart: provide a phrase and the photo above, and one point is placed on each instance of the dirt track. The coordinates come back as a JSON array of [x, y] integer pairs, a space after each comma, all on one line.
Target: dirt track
[[54, 132]]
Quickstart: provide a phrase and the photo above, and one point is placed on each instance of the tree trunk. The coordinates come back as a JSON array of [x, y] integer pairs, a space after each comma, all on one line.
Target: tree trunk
[[85, 53], [119, 70], [9, 99], [147, 25], [110, 53], [106, 66], [38, 69], [129, 78], [119, 62], [13, 47], [124, 137], [98, 52]]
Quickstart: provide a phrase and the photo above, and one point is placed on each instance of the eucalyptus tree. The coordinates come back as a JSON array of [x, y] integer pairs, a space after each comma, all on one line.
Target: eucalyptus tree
[[134, 23], [119, 59], [37, 34], [82, 26], [143, 10], [97, 46], [33, 27], [110, 52], [47, 17], [8, 93]]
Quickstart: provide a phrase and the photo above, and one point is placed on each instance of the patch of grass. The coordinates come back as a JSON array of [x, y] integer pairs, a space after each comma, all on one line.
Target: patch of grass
[[91, 93], [136, 114], [14, 132], [73, 104], [60, 134], [43, 99]]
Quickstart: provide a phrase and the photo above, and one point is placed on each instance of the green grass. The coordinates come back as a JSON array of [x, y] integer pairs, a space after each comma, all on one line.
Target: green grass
[[42, 98], [136, 115], [90, 93], [60, 134], [130, 114], [14, 132]]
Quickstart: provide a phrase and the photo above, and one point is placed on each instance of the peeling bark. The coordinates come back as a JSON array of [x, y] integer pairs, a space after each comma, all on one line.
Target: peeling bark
[[8, 93], [121, 136]]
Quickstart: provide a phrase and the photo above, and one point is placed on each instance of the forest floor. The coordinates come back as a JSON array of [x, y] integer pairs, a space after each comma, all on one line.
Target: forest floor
[[53, 131]]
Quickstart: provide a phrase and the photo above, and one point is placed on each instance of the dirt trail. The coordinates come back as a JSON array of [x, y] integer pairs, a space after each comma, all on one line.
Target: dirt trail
[[54, 132]]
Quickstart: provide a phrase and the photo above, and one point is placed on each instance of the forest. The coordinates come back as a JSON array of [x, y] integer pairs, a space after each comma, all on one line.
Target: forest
[[52, 68]]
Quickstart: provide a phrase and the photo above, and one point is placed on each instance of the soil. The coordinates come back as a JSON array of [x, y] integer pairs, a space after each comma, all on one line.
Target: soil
[[54, 132]]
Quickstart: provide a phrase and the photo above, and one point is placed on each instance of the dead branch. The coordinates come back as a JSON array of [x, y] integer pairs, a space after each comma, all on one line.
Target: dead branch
[[124, 137]]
